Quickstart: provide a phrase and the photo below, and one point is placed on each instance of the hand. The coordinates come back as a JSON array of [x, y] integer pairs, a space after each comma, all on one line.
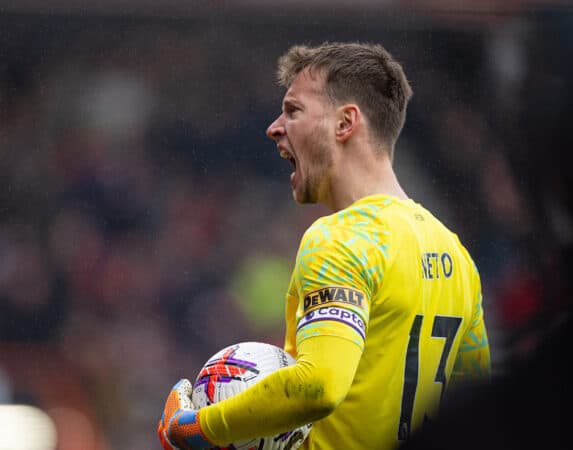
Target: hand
[[179, 426]]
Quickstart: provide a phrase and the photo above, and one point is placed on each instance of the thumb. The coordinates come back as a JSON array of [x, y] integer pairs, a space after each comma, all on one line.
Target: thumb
[[184, 389]]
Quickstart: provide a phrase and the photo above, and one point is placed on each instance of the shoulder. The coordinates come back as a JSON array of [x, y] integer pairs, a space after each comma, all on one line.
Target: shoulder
[[364, 222], [345, 239]]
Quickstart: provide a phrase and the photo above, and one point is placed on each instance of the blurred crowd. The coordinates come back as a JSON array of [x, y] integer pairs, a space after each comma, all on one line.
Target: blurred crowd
[[146, 222]]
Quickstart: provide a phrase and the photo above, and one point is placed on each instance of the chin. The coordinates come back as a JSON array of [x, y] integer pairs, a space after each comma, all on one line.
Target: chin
[[297, 197], [303, 198]]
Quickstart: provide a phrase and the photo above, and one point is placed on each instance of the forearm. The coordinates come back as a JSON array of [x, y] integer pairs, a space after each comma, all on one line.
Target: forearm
[[305, 392]]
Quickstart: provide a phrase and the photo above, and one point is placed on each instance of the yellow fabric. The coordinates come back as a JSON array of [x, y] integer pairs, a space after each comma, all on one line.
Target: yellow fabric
[[288, 398], [397, 290]]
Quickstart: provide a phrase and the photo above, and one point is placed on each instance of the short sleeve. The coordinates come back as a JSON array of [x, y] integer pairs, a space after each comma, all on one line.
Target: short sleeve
[[333, 283]]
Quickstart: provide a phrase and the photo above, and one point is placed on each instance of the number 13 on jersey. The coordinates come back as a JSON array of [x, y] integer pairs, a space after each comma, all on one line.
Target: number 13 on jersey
[[444, 331]]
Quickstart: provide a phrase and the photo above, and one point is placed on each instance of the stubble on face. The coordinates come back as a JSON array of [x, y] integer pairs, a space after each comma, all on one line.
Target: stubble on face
[[316, 174]]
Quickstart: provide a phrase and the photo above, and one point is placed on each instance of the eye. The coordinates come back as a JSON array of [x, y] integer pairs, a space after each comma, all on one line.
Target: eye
[[290, 110]]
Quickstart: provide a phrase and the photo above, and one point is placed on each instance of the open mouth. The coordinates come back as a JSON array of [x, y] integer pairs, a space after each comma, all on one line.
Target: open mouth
[[286, 155], [290, 158]]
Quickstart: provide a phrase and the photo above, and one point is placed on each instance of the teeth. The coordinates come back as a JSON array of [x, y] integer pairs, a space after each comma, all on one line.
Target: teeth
[[284, 154]]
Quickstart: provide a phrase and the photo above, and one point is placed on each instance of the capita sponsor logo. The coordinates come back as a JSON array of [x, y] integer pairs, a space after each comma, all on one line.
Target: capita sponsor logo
[[333, 294], [335, 314]]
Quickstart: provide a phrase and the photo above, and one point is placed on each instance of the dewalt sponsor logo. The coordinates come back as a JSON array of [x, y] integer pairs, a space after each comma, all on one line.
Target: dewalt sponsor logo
[[332, 295]]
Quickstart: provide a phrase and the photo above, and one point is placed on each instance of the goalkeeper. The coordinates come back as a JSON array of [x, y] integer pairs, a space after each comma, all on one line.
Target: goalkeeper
[[384, 309]]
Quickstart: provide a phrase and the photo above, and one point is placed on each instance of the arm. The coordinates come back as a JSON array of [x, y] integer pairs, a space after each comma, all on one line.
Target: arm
[[305, 392]]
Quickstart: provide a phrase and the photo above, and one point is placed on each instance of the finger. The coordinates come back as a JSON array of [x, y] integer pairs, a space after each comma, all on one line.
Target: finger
[[184, 389], [165, 443], [161, 435], [172, 405]]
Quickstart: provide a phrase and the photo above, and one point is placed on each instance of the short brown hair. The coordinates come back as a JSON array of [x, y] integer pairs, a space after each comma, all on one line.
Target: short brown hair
[[359, 72]]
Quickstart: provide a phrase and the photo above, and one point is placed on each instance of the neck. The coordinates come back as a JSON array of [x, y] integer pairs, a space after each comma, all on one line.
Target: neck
[[360, 174]]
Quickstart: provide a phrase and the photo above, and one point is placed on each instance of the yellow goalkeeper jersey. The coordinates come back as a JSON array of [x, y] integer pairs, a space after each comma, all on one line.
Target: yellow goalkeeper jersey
[[388, 276]]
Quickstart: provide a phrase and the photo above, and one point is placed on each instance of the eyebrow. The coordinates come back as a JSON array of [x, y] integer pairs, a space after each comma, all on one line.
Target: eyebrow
[[291, 102]]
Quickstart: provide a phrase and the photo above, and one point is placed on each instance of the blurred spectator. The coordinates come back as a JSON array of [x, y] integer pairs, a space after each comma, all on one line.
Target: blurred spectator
[[32, 296]]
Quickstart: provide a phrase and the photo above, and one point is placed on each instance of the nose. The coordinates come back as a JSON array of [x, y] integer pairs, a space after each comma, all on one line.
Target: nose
[[276, 129]]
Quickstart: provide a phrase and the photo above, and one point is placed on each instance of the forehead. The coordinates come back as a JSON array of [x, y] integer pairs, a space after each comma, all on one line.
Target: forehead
[[307, 84]]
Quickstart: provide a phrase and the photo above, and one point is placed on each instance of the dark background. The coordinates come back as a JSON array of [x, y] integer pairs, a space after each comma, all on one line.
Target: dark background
[[146, 221]]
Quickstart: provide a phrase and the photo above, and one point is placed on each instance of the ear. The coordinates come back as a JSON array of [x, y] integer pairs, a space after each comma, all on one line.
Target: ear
[[348, 117]]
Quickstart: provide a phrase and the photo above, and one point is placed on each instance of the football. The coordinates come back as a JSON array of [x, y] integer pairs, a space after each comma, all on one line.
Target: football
[[233, 369]]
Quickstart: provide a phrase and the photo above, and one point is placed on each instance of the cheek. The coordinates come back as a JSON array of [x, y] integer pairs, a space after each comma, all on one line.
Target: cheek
[[318, 145], [294, 130], [310, 143], [299, 137]]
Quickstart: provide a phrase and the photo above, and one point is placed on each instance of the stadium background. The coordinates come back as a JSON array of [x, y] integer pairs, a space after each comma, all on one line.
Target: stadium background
[[146, 222]]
